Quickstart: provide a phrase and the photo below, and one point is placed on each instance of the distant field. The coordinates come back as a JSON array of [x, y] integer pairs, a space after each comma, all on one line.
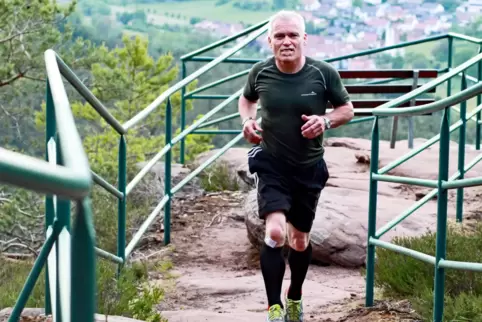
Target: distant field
[[425, 48], [208, 10]]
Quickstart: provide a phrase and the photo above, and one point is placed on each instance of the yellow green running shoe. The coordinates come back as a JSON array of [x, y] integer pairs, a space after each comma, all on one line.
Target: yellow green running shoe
[[275, 314], [294, 310]]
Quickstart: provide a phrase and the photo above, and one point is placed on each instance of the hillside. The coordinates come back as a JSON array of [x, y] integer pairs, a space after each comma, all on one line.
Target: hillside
[[210, 10]]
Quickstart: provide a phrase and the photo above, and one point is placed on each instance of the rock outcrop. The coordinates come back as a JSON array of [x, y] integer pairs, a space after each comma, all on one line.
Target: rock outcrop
[[340, 229]]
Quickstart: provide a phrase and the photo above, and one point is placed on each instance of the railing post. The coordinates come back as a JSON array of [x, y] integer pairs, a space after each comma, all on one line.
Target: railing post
[[121, 221], [83, 296], [442, 200], [63, 217], [449, 66], [167, 174], [183, 114], [51, 129], [461, 158], [412, 103], [479, 101], [372, 214]]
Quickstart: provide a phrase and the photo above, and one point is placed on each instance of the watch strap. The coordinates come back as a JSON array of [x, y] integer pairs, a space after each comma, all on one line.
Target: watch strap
[[327, 122], [246, 120]]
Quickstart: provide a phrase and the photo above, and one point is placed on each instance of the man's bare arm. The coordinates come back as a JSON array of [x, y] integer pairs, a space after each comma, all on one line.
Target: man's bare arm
[[341, 115], [246, 108]]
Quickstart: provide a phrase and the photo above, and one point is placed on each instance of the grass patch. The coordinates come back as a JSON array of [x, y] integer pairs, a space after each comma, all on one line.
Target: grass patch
[[131, 295], [403, 277], [206, 9], [219, 177], [424, 48]]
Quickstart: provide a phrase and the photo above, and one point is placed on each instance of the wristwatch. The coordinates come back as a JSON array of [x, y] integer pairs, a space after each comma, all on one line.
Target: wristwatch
[[327, 122]]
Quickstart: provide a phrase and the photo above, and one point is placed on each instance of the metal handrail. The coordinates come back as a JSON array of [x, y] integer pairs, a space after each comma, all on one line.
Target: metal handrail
[[74, 180], [431, 107], [173, 89], [87, 94], [464, 37], [69, 140], [432, 84], [224, 40], [41, 176]]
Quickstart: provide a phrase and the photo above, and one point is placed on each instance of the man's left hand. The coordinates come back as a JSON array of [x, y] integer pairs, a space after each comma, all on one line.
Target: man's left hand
[[314, 126]]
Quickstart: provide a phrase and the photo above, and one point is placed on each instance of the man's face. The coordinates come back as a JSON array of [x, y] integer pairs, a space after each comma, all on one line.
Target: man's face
[[287, 40]]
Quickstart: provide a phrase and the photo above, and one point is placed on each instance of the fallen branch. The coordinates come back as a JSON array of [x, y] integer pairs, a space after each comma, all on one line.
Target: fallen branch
[[18, 245]]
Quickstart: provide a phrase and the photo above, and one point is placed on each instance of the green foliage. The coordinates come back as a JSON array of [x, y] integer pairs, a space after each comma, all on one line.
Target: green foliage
[[92, 7], [28, 32], [127, 79], [13, 275], [219, 177], [142, 307], [401, 276], [19, 211], [129, 295]]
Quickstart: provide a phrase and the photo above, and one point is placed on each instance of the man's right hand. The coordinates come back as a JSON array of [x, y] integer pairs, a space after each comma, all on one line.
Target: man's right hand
[[249, 132]]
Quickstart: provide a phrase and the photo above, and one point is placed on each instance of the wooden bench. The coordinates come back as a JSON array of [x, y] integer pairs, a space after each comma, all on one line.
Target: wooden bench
[[399, 74]]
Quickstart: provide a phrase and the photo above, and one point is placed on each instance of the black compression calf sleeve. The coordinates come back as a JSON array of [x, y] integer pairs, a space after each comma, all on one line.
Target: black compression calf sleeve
[[273, 269], [299, 263]]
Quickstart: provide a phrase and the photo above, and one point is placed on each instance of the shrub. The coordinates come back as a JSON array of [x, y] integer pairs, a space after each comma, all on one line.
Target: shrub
[[400, 276], [219, 177], [130, 295]]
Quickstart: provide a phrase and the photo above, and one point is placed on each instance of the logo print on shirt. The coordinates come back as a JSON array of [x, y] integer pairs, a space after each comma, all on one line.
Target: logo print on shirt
[[309, 94]]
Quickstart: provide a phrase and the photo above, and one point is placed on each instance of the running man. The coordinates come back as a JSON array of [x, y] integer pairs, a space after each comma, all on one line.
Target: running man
[[287, 159]]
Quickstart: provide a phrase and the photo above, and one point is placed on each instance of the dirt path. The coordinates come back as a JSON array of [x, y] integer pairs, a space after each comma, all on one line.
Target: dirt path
[[219, 277]]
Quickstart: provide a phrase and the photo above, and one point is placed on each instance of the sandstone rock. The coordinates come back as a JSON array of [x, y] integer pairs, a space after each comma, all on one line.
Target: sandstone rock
[[155, 181], [237, 161], [340, 228]]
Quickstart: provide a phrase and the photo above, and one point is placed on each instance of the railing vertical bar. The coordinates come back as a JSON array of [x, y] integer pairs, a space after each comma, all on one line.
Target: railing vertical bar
[[442, 201], [63, 217], [372, 214], [64, 273], [82, 299], [121, 203], [34, 275], [461, 152], [52, 259], [479, 102], [49, 201], [412, 103], [183, 114], [449, 66], [167, 175]]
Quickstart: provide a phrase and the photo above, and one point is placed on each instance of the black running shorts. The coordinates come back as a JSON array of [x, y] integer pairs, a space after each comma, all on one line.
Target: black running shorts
[[282, 187]]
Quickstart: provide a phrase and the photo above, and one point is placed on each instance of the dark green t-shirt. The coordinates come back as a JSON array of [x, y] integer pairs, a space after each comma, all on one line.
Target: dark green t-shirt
[[285, 97]]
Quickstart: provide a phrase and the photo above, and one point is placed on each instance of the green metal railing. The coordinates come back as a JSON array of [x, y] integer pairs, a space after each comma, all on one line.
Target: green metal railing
[[194, 57], [66, 176], [70, 280], [440, 186]]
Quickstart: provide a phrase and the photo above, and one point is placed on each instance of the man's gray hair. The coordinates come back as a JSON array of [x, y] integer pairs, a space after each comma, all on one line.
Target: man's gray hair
[[286, 15]]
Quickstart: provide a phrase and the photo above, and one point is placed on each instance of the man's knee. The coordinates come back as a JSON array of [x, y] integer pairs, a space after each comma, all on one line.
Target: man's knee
[[275, 229], [298, 240]]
